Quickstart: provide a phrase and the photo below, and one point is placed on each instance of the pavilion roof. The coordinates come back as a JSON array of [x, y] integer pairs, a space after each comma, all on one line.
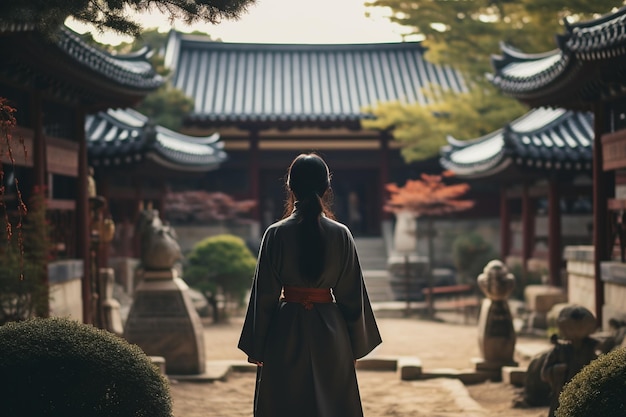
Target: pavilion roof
[[68, 66], [543, 140], [121, 137], [588, 65], [299, 84]]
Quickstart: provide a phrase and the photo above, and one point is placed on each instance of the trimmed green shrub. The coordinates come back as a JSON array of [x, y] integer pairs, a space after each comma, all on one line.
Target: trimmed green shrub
[[470, 253], [598, 389], [60, 367], [221, 262]]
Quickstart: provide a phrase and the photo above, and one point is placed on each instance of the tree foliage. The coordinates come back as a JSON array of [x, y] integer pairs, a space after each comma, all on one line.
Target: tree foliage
[[421, 129], [23, 260], [121, 16], [465, 34], [201, 207], [221, 262], [428, 196]]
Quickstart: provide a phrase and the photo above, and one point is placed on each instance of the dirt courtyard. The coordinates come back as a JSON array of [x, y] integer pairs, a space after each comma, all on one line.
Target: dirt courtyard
[[437, 344]]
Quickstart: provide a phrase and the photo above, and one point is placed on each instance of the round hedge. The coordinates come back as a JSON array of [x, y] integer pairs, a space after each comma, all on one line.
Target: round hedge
[[60, 367], [598, 389]]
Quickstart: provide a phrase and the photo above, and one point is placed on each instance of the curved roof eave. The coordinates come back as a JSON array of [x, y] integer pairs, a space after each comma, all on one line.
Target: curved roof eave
[[542, 139], [125, 136]]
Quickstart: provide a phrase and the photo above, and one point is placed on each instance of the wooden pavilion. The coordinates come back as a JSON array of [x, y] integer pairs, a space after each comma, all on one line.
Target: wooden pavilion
[[135, 163], [586, 73], [271, 102], [541, 164], [54, 83]]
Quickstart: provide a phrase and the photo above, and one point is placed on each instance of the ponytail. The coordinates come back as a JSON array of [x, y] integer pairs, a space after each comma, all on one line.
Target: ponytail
[[308, 185], [311, 243]]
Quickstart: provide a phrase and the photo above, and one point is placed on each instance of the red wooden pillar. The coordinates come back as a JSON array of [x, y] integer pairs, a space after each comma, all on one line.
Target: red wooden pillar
[[528, 226], [505, 225], [254, 173], [384, 173], [601, 193], [555, 257], [40, 176], [40, 170], [83, 240]]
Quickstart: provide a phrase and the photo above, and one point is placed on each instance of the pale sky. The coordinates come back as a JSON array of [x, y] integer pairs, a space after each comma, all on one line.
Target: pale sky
[[288, 21]]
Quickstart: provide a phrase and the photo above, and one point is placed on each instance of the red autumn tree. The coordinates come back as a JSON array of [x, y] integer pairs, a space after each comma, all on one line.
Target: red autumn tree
[[198, 206], [428, 196]]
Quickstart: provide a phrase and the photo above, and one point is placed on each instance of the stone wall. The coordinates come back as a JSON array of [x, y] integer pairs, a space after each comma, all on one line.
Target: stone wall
[[580, 276], [65, 278], [614, 279]]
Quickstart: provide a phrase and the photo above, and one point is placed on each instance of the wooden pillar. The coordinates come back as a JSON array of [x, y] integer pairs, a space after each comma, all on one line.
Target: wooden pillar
[[384, 173], [555, 257], [40, 170], [139, 206], [254, 173], [83, 240], [505, 225], [600, 209], [528, 226], [40, 179]]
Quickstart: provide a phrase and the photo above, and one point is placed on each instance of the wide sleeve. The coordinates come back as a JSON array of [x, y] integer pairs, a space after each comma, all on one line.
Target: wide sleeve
[[264, 296], [353, 301]]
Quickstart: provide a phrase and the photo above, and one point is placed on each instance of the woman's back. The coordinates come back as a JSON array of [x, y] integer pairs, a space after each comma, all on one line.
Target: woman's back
[[285, 252], [309, 316]]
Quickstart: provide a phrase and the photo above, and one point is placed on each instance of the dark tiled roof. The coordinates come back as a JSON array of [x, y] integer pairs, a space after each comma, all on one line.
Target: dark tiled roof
[[589, 64], [132, 71], [541, 140], [124, 136], [273, 83]]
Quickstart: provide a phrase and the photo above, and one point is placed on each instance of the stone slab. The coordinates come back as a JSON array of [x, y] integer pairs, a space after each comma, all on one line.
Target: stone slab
[[409, 368], [466, 376], [514, 375], [213, 371]]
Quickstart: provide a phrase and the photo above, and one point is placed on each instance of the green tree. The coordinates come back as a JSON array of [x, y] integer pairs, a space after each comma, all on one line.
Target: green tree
[[421, 129], [471, 252], [221, 263], [24, 258], [167, 106], [465, 34], [121, 16]]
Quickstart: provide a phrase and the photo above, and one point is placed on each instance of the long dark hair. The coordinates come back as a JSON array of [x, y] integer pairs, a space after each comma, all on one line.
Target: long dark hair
[[308, 189]]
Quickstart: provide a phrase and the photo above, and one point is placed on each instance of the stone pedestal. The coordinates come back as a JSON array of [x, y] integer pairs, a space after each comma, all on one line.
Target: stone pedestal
[[110, 307], [539, 300], [496, 335], [163, 322]]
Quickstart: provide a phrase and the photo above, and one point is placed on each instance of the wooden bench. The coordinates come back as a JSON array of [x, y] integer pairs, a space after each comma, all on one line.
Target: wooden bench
[[461, 297]]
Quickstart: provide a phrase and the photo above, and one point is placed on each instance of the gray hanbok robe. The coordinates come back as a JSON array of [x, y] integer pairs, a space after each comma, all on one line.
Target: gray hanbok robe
[[308, 355]]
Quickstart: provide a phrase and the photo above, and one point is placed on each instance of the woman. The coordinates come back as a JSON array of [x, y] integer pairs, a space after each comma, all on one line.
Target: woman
[[309, 316]]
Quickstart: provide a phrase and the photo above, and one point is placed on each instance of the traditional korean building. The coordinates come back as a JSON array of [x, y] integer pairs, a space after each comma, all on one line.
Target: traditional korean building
[[54, 83], [135, 162], [541, 165], [586, 73], [271, 102]]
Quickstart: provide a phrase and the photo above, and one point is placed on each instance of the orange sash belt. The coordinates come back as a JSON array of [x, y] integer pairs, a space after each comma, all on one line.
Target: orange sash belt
[[307, 296]]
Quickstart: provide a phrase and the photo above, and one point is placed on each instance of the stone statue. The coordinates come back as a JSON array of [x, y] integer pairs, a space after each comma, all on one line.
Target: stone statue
[[159, 246], [571, 353]]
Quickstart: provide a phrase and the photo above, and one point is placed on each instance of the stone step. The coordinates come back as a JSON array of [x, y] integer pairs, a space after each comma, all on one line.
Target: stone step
[[378, 285]]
